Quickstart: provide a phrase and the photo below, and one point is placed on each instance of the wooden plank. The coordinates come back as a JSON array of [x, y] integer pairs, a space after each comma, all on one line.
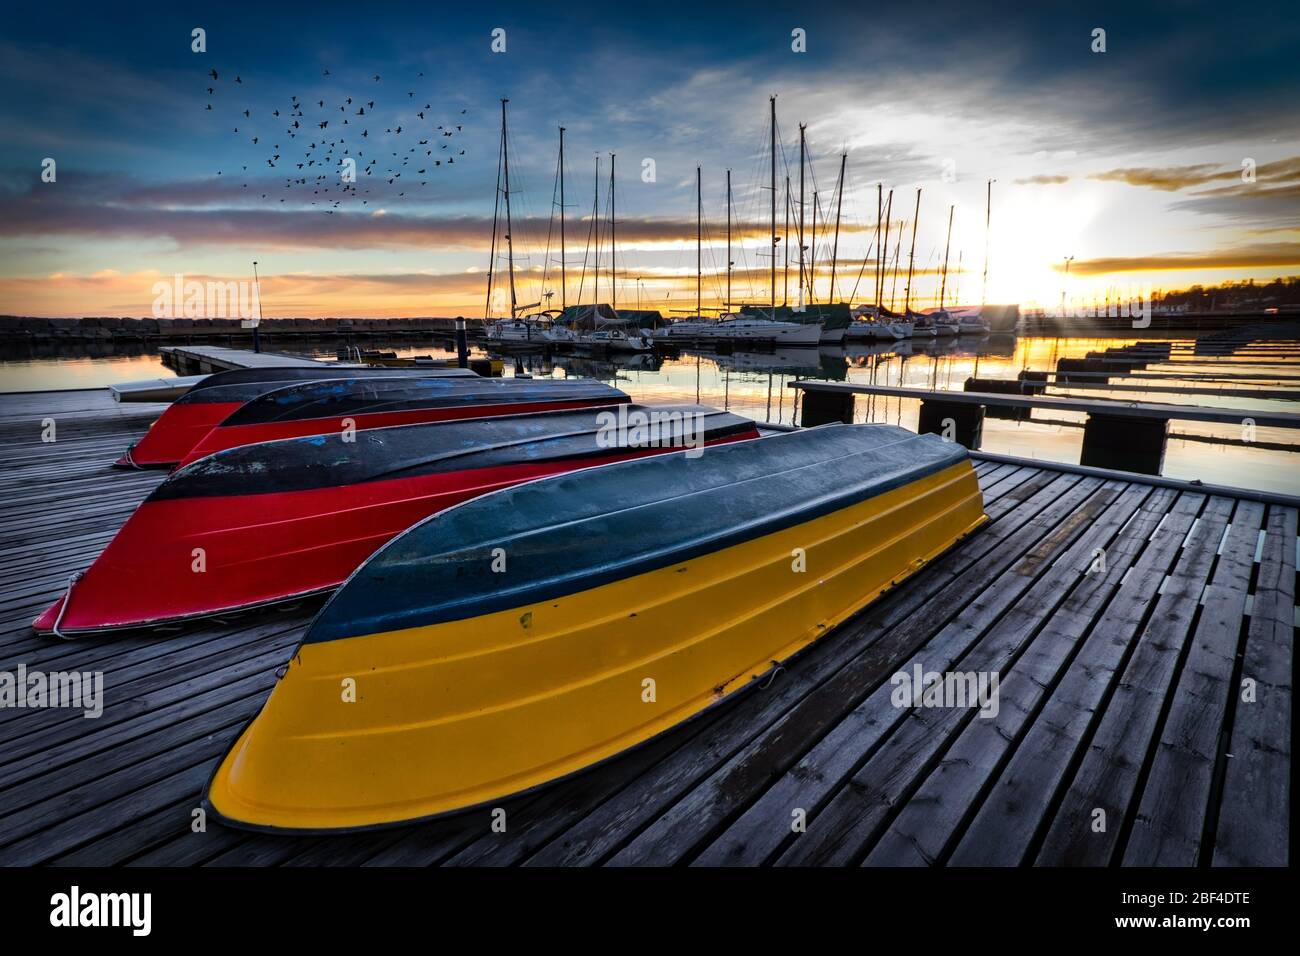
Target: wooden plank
[[157, 708], [1005, 826], [928, 824], [1170, 821], [903, 743], [107, 820], [1255, 812], [1114, 766], [60, 766]]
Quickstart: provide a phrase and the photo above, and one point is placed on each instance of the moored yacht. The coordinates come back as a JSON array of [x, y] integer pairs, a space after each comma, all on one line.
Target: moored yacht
[[872, 324]]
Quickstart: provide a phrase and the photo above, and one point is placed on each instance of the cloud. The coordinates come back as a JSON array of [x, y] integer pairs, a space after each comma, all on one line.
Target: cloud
[[1173, 178], [1043, 181], [208, 213], [1260, 255], [1169, 178]]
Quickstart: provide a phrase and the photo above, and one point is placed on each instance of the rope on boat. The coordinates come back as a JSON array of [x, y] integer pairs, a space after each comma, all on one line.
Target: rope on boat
[[771, 677], [63, 608], [126, 457]]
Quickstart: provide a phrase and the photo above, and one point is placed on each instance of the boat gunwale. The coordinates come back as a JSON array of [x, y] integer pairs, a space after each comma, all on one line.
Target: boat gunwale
[[741, 424], [494, 388]]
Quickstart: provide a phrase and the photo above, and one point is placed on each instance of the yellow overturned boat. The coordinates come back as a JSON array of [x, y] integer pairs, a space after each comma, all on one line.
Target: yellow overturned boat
[[531, 633]]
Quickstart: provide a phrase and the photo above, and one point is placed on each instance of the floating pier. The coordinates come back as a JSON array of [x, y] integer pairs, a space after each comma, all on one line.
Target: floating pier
[[205, 359], [1120, 435], [1142, 630]]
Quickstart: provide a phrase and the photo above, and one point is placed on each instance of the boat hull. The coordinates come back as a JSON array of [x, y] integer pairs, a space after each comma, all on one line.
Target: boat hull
[[459, 711], [221, 438], [206, 405], [283, 520], [348, 406], [174, 433]]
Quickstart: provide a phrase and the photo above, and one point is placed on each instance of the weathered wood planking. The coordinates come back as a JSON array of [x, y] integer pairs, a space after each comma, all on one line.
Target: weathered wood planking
[[1119, 687], [1254, 815]]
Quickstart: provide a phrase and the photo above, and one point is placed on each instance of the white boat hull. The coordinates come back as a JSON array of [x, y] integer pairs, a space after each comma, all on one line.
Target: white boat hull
[[791, 334], [879, 331]]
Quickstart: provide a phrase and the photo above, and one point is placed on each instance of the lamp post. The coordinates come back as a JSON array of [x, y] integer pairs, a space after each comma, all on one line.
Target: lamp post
[[1064, 288], [257, 285]]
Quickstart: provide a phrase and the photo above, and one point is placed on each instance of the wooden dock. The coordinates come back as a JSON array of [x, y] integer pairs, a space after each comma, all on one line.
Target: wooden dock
[[1123, 617], [197, 359]]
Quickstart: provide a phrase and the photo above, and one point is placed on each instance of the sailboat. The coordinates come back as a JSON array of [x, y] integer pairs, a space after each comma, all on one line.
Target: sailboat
[[747, 327], [984, 318], [831, 319], [870, 323], [512, 329], [607, 331], [937, 322], [967, 321]]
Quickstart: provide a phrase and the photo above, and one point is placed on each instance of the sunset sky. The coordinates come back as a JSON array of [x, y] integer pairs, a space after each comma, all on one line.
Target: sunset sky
[[1130, 161]]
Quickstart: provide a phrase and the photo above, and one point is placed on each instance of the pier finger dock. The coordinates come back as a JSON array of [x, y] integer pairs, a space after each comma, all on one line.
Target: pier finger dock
[[1142, 632]]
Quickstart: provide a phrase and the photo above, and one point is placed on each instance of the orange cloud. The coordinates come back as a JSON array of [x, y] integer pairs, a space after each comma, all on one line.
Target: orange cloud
[[1262, 255]]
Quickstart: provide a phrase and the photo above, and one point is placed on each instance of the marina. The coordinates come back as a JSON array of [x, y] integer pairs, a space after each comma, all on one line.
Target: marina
[[590, 439]]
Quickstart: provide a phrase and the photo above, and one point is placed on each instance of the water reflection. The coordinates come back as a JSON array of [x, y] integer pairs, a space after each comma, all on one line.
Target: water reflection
[[757, 384]]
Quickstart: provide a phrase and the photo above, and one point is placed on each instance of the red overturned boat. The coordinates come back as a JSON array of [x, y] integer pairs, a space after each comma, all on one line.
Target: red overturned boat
[[188, 419], [274, 521], [346, 406]]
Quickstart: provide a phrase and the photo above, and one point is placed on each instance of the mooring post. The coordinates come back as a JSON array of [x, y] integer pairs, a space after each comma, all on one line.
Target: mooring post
[[954, 421], [1067, 365], [462, 346], [820, 408], [1125, 444], [1033, 383], [1000, 386]]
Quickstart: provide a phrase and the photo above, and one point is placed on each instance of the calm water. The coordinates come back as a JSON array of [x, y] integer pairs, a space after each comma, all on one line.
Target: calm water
[[757, 384]]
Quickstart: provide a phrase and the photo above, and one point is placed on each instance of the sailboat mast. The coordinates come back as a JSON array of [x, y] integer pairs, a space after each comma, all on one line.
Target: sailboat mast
[[510, 245], [613, 264], [699, 238], [839, 207], [911, 258], [943, 286], [773, 184], [496, 222], [988, 216], [802, 149], [879, 212], [727, 304], [595, 221], [785, 279], [884, 262], [564, 284], [812, 256]]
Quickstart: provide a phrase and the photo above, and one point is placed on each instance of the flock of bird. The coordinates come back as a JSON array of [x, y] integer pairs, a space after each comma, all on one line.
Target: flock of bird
[[336, 131]]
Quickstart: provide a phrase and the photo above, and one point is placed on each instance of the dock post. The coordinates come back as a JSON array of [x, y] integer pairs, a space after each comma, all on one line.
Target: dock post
[[1000, 386], [961, 423], [820, 408], [1124, 444], [1033, 383], [462, 345]]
